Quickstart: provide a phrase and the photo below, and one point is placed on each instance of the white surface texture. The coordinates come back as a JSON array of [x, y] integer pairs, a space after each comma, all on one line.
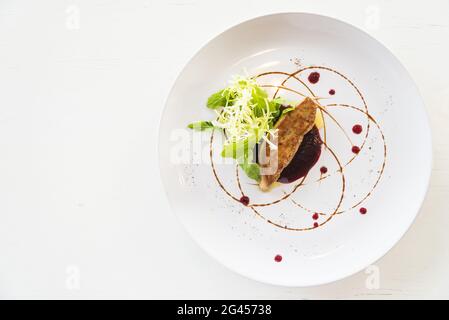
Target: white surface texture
[[82, 210]]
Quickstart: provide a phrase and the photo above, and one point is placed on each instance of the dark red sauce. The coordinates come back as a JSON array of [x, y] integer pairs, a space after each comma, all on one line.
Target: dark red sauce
[[305, 158], [331, 92], [355, 149], [363, 210], [244, 200], [278, 258], [357, 129], [315, 216], [314, 77], [323, 170]]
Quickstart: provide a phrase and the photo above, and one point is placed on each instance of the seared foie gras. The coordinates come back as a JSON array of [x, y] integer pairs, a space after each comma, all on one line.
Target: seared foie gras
[[291, 129]]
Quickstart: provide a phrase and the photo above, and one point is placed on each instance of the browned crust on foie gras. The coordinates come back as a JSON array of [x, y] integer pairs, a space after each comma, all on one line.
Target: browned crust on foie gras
[[291, 130]]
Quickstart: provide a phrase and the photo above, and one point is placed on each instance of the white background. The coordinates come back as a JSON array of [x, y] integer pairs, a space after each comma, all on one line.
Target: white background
[[82, 88]]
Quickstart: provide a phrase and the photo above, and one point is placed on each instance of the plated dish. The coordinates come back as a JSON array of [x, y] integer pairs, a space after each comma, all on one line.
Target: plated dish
[[276, 141], [287, 146]]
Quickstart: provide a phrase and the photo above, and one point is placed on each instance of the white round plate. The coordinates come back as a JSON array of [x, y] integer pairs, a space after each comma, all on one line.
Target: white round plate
[[389, 177]]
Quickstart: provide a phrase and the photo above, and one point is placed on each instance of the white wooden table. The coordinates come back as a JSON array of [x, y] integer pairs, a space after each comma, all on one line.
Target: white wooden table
[[82, 88]]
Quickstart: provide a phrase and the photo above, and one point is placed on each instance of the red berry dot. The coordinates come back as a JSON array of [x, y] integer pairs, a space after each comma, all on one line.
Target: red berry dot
[[357, 129], [331, 92], [314, 77], [315, 225], [278, 258], [315, 216], [355, 149], [244, 200], [363, 210], [323, 170]]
